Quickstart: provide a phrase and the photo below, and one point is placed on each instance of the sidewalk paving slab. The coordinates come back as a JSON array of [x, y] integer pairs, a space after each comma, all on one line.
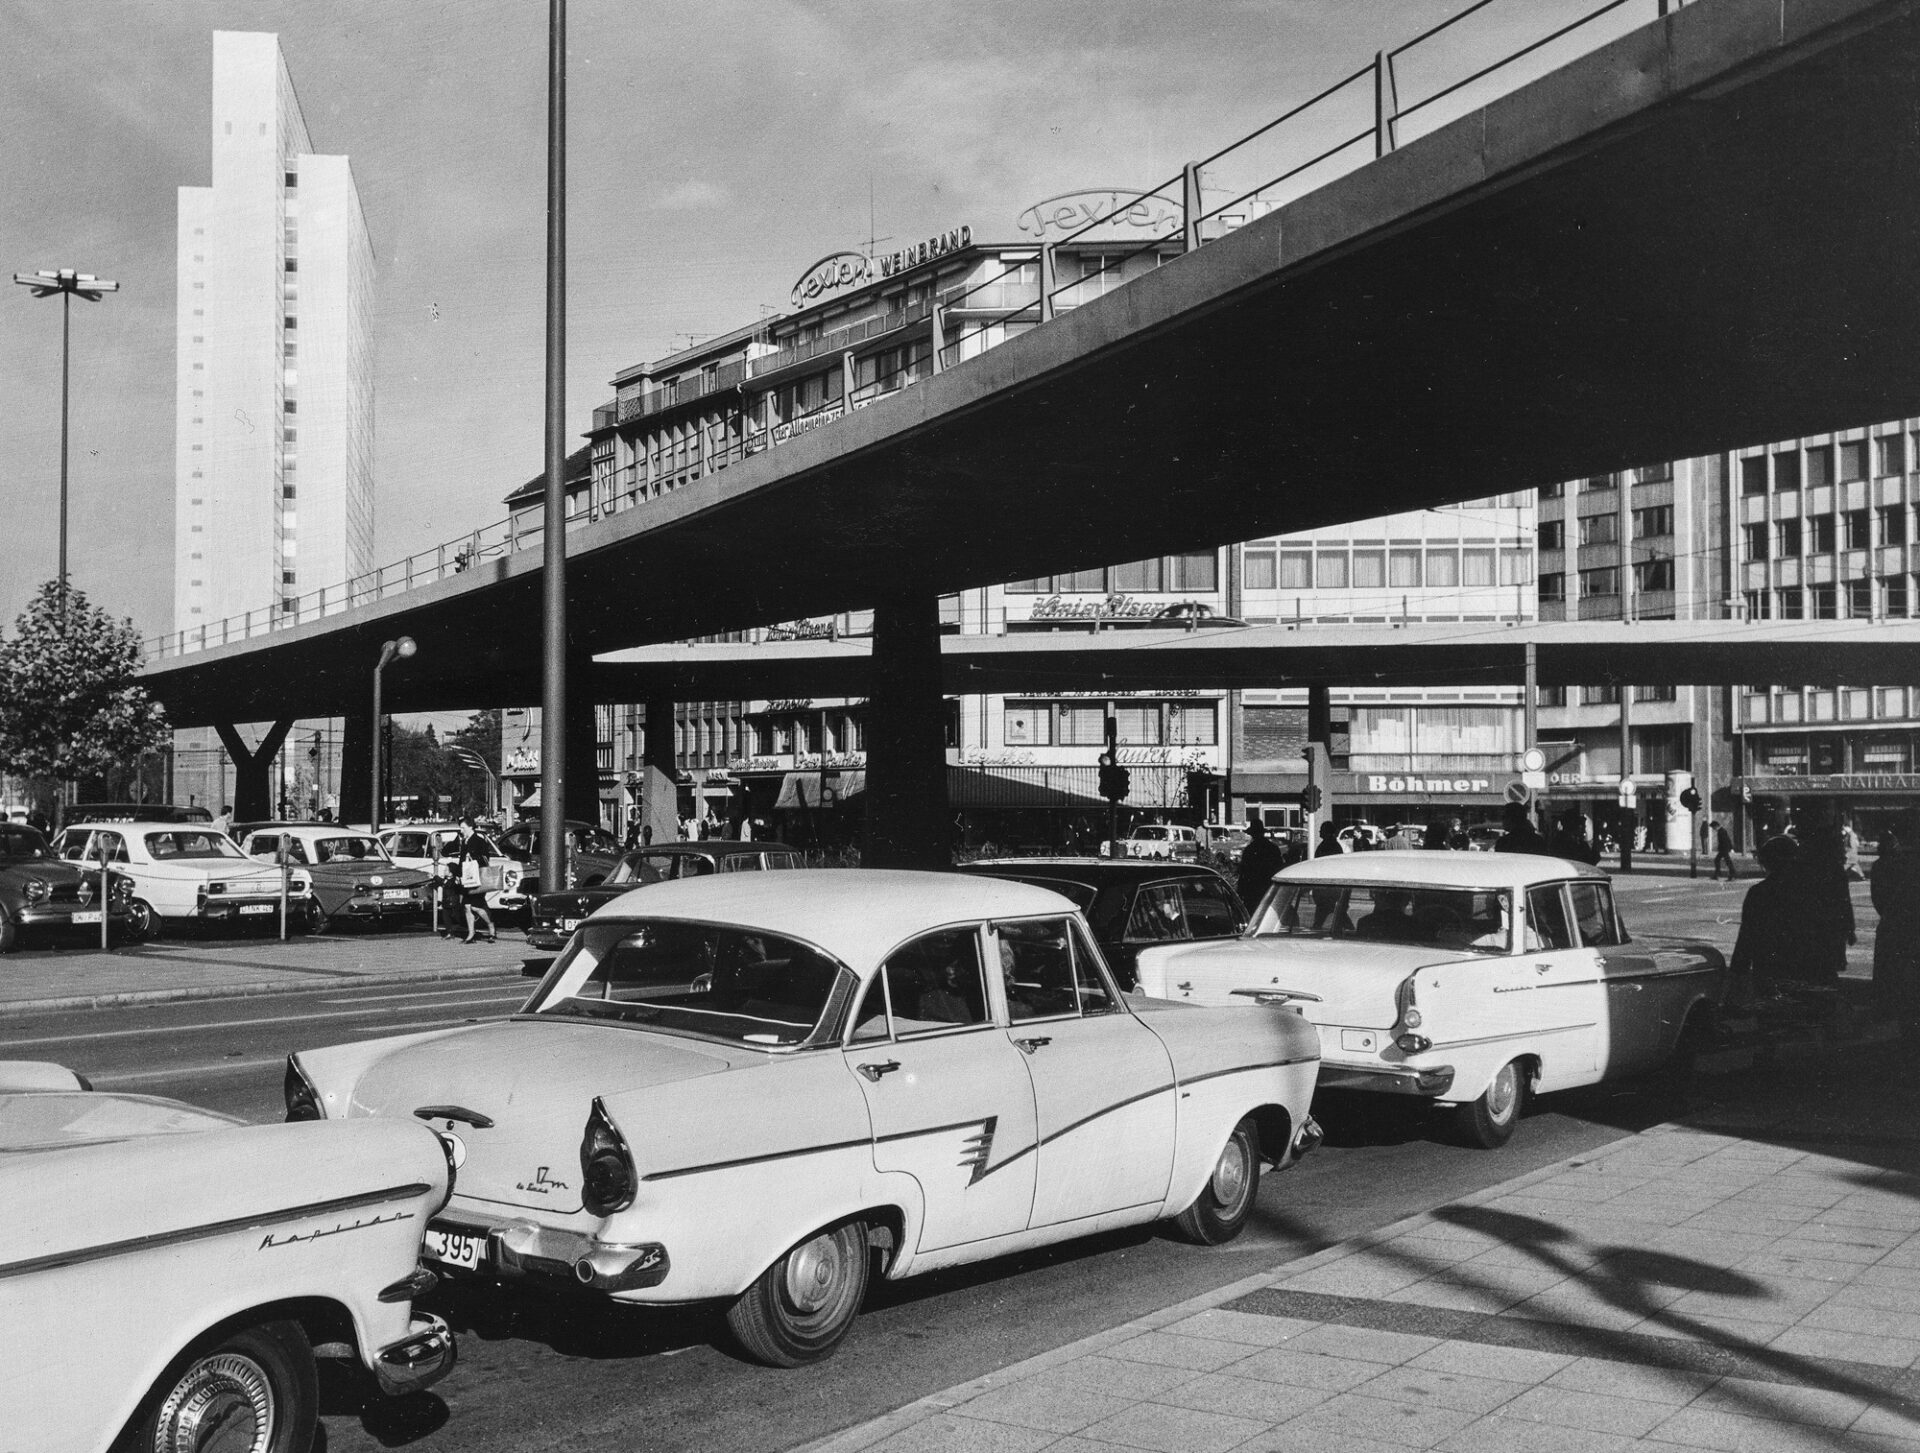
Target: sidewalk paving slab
[[1727, 1300]]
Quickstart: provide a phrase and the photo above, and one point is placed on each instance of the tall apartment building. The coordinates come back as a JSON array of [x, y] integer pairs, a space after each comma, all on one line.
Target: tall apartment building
[[274, 393], [273, 413]]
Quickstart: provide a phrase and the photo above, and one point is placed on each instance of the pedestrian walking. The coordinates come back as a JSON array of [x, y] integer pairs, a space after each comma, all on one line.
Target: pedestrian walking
[[1775, 946], [1521, 836], [1722, 851], [1330, 844], [1259, 861], [476, 856], [1895, 890], [1850, 853], [1570, 840]]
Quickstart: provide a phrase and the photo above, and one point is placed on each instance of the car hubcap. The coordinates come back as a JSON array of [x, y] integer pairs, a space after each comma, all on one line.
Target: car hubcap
[[1230, 1175], [1500, 1094], [222, 1405], [814, 1271]]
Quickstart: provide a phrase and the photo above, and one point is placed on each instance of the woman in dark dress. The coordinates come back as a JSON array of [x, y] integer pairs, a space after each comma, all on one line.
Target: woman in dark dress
[[476, 853]]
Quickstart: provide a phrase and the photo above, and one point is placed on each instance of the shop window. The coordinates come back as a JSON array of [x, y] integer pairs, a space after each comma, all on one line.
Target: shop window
[[1820, 466], [1785, 756], [1443, 567], [1083, 726], [1259, 570], [1889, 455], [1296, 570], [1330, 571], [1652, 522], [1821, 534], [1853, 461], [1885, 754], [1141, 575], [1137, 726], [1193, 725], [1195, 572], [1477, 567], [1553, 586], [1553, 534], [1599, 529], [1028, 724], [1369, 570], [1753, 474], [1786, 472], [1403, 569]]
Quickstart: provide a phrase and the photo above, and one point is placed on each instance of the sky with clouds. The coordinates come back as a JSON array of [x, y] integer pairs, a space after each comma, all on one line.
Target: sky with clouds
[[716, 149]]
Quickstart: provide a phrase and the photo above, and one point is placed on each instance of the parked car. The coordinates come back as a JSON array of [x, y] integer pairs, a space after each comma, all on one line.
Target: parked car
[[350, 874], [1193, 614], [1161, 840], [1361, 837], [415, 846], [134, 812], [171, 1273], [592, 853], [1130, 904], [740, 1087], [553, 917], [1225, 840], [1472, 980], [40, 894], [182, 873]]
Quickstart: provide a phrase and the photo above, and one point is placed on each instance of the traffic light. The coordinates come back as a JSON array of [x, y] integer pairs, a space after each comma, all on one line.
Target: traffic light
[[1690, 799], [1311, 797], [1115, 782]]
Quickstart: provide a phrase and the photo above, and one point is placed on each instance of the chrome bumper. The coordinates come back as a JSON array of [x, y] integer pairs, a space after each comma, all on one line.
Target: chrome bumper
[[1385, 1079], [1306, 1139], [420, 1359], [525, 1249]]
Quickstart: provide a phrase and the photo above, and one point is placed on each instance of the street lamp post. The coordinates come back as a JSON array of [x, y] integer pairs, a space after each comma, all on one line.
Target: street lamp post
[[471, 759], [400, 649], [68, 284]]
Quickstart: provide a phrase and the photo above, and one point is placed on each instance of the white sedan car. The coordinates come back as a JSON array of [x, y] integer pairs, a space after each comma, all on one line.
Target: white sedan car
[[170, 1274], [750, 1087], [183, 872], [1470, 979]]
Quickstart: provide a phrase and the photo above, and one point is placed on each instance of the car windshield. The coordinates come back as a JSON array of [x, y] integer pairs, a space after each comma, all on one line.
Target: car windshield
[[191, 843], [643, 868], [349, 850], [712, 979], [1471, 920], [22, 845]]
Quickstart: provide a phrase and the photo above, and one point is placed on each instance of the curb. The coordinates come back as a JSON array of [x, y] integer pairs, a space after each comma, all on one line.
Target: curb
[[16, 1007], [876, 1430]]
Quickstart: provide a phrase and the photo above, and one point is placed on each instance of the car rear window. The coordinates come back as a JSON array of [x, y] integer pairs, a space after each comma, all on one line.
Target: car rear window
[[710, 979], [1469, 920], [188, 843]]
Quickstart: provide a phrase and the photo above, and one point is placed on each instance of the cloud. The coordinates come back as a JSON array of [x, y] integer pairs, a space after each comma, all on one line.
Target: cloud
[[692, 196]]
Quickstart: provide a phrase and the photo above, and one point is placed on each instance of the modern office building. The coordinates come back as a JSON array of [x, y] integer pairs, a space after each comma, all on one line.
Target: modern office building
[[273, 472]]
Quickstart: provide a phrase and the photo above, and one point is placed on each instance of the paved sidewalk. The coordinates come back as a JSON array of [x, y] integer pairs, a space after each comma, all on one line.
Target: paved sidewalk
[[172, 968], [1749, 1287]]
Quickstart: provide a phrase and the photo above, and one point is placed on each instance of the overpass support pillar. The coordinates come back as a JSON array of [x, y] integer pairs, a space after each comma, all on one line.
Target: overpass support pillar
[[659, 794], [908, 825], [583, 744], [253, 770], [356, 765]]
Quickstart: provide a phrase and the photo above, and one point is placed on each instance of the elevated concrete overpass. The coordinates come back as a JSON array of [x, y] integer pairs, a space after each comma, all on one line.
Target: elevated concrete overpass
[[1692, 237]]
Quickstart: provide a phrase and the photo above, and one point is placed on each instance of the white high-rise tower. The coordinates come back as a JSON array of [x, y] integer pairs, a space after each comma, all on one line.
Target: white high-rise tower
[[273, 476]]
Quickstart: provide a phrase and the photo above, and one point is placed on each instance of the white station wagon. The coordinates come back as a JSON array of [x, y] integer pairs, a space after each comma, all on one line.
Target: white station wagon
[[749, 1087], [1471, 979]]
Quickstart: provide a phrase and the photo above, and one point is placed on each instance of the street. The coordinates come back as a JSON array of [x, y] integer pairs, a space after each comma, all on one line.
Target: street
[[565, 1374]]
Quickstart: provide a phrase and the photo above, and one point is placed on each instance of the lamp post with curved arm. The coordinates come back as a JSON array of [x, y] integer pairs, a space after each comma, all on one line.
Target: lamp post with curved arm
[[390, 651]]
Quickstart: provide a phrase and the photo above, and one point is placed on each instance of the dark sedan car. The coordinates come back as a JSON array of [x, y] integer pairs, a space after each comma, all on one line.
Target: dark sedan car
[[40, 892], [1132, 903], [554, 916]]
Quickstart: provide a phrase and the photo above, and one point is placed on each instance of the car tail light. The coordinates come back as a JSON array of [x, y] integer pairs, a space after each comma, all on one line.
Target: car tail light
[[608, 1180], [303, 1101], [1410, 1017]]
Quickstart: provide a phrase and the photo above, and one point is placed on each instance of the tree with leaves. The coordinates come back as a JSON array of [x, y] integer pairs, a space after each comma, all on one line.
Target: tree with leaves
[[70, 703]]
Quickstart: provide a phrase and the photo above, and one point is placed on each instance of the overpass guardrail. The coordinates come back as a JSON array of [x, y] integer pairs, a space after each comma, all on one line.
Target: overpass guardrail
[[1316, 140]]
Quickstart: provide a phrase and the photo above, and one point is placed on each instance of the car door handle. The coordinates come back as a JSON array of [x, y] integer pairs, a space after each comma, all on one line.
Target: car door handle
[[455, 1112], [1030, 1045], [873, 1072]]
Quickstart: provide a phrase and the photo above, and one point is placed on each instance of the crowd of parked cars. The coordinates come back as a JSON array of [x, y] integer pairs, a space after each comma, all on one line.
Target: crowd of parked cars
[[747, 1083]]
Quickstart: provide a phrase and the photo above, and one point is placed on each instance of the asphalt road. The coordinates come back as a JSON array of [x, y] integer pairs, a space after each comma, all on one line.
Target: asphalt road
[[569, 1374]]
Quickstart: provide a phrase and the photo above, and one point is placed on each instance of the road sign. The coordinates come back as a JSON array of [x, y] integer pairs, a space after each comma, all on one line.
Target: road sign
[[1535, 780], [1519, 792], [1627, 791], [1533, 760]]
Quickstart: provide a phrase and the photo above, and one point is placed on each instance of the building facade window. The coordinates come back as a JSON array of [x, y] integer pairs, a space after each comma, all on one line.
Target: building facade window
[[1859, 530], [1369, 570], [1652, 521], [1553, 586], [1443, 568], [1853, 461], [1195, 572], [1599, 529], [1819, 466], [1260, 570], [1403, 569], [1893, 524], [1028, 724], [1753, 474], [1792, 605], [1786, 538], [1477, 567], [1821, 534], [1651, 575], [1757, 541], [1602, 581], [1296, 570], [1605, 693], [1890, 455], [1193, 725], [1330, 571], [1553, 534], [1786, 472]]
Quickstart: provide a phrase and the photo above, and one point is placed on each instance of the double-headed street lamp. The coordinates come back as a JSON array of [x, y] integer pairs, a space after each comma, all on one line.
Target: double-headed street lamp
[[68, 284], [400, 649]]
